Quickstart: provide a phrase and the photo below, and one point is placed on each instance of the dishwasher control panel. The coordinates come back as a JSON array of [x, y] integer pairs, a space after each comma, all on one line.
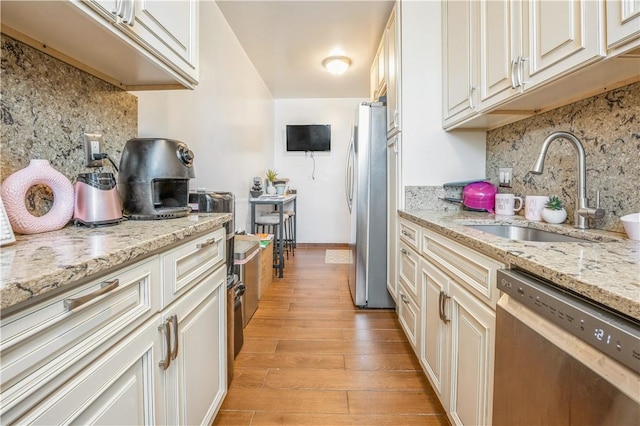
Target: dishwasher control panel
[[610, 333]]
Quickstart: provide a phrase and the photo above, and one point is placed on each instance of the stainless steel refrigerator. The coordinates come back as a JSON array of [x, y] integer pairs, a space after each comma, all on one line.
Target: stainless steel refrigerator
[[366, 193]]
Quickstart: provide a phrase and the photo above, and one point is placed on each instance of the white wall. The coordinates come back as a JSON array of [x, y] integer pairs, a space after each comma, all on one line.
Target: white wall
[[430, 155], [323, 216], [227, 120]]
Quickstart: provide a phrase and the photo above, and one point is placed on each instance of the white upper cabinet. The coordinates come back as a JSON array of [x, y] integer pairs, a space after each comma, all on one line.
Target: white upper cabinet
[[500, 50], [532, 56], [459, 73], [623, 25], [559, 36], [133, 44], [393, 73], [168, 29]]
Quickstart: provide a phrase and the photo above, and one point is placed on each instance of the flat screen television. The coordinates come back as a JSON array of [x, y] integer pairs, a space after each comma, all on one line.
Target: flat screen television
[[308, 137]]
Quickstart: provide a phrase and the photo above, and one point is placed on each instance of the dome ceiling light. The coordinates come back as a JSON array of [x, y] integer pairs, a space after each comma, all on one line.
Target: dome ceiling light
[[336, 64]]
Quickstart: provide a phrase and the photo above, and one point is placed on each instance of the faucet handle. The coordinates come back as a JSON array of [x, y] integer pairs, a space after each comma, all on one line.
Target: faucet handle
[[597, 213]]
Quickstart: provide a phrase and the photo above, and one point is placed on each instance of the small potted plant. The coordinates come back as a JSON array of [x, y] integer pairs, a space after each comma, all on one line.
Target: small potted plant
[[271, 177], [554, 211]]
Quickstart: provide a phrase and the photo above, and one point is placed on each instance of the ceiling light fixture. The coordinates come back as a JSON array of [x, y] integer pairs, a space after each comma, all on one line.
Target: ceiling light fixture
[[336, 64]]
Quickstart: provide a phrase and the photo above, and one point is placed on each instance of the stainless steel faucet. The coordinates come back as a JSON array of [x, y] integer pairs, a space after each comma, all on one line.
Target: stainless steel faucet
[[582, 211]]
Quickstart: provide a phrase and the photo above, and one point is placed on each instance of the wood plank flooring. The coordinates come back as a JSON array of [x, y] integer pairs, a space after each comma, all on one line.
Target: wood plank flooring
[[311, 358]]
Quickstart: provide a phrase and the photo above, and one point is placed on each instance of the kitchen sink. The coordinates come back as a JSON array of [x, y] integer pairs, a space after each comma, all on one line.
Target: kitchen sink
[[520, 233]]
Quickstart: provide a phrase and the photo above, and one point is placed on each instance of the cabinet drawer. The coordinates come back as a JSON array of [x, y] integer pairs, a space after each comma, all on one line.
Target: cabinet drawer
[[42, 346], [410, 233], [409, 316], [186, 265], [408, 270], [475, 271]]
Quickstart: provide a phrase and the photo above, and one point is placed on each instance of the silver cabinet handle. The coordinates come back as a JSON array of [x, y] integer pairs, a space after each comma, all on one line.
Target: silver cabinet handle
[[521, 70], [131, 14], [105, 287], [396, 118], [471, 91], [166, 362], [119, 12], [206, 243], [174, 320], [443, 301], [405, 233], [404, 298], [404, 251]]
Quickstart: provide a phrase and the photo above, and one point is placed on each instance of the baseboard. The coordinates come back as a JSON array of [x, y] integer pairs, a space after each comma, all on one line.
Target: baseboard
[[322, 245]]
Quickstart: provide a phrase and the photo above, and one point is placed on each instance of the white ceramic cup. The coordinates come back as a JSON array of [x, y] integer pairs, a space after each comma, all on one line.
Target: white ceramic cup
[[533, 205], [506, 204]]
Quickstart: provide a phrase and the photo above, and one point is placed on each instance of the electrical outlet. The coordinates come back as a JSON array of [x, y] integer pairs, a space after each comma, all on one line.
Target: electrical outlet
[[93, 143], [506, 176]]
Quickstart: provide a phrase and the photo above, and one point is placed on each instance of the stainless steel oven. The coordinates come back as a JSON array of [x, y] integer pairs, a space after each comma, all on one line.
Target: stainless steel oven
[[561, 359]]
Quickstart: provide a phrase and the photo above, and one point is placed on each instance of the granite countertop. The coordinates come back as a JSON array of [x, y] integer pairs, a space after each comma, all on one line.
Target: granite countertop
[[39, 263], [605, 269]]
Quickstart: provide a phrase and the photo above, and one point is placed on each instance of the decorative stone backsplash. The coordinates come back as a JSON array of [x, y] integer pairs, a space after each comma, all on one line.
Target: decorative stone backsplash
[[47, 105], [608, 125]]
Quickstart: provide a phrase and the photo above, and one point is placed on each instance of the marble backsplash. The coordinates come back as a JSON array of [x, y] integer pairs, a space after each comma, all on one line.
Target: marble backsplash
[[608, 125], [47, 105]]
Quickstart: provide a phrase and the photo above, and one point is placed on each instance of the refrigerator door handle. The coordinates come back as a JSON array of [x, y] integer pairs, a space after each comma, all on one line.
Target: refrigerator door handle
[[349, 176]]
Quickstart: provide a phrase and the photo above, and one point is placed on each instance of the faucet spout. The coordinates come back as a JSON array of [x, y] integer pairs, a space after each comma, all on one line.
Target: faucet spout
[[582, 211]]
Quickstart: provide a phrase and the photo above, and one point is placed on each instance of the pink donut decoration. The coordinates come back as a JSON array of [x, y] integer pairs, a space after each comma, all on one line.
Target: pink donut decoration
[[14, 190]]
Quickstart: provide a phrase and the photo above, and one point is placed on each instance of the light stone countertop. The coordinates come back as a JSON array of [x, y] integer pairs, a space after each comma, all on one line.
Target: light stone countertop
[[40, 263], [605, 269]]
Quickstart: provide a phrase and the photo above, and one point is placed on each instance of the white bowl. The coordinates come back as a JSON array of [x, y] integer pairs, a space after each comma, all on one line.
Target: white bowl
[[631, 223]]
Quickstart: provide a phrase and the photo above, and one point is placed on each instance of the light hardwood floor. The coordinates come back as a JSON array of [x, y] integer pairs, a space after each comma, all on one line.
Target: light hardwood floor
[[311, 358]]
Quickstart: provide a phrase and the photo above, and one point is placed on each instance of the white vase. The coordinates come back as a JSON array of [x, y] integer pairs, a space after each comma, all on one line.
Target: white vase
[[271, 190], [554, 216]]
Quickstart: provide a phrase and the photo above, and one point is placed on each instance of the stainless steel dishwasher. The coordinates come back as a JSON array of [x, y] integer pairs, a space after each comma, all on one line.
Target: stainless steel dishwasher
[[561, 359], [248, 270]]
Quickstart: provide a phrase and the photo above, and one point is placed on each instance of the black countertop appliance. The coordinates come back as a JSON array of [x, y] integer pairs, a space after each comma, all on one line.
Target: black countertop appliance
[[154, 178]]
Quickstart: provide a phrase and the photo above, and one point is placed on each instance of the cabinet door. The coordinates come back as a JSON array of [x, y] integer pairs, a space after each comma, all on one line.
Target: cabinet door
[[409, 317], [196, 380], [434, 351], [392, 214], [459, 59], [119, 388], [408, 265], [500, 47], [560, 36], [393, 73], [472, 355], [623, 23], [169, 30]]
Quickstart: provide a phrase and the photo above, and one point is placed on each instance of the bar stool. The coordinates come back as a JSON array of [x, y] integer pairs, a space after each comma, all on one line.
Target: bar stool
[[287, 238], [292, 230], [268, 224]]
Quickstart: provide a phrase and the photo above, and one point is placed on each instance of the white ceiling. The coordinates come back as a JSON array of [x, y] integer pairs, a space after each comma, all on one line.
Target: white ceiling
[[287, 41]]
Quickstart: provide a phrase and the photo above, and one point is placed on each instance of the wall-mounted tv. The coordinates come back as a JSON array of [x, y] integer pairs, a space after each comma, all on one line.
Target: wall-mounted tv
[[308, 137]]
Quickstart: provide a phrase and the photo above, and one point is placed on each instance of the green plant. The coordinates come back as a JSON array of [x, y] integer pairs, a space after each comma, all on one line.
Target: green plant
[[272, 175], [554, 203]]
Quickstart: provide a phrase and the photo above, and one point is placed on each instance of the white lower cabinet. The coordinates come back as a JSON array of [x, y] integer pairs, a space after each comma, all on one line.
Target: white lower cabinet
[[193, 375], [108, 352], [457, 347], [117, 389], [446, 306]]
